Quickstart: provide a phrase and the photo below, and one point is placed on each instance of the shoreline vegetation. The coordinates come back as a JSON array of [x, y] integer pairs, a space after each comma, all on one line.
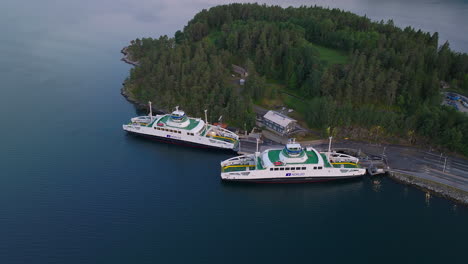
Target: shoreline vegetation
[[428, 186], [140, 106], [127, 58], [343, 74], [356, 78]]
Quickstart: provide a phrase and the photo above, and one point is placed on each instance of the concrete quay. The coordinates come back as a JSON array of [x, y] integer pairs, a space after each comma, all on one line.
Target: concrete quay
[[431, 171]]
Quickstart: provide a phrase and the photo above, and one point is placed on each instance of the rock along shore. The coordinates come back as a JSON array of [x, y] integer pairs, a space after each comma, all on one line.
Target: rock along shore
[[440, 189], [127, 57], [123, 91]]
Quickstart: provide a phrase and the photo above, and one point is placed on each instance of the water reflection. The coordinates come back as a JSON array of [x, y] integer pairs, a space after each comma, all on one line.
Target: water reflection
[[307, 194], [376, 185], [428, 199]]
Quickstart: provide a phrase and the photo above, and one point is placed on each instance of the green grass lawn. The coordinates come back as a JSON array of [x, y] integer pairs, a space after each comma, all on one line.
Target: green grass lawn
[[331, 56]]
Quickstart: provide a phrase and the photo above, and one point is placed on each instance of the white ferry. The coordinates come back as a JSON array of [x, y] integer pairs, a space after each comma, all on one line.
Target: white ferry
[[291, 164], [180, 129]]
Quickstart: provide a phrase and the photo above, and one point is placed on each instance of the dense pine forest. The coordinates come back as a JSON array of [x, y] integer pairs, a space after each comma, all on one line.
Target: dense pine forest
[[355, 77]]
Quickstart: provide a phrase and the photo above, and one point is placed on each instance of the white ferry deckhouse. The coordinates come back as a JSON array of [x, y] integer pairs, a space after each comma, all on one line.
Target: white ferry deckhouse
[[293, 163], [180, 129]]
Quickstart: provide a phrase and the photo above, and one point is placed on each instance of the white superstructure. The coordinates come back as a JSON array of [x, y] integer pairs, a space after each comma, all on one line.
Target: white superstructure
[[291, 164], [181, 129]]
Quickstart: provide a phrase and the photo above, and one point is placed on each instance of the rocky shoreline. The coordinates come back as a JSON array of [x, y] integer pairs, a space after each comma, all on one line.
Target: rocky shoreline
[[138, 105], [127, 57], [426, 185]]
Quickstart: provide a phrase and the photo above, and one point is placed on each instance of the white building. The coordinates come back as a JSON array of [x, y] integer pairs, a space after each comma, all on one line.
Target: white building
[[279, 123]]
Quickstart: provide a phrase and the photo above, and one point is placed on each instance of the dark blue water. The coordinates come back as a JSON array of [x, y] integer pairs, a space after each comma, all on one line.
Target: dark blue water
[[75, 189]]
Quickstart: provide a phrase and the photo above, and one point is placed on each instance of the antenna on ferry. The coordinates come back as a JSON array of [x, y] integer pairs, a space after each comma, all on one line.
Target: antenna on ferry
[[150, 111], [329, 148], [206, 116], [177, 108], [257, 145], [219, 120]]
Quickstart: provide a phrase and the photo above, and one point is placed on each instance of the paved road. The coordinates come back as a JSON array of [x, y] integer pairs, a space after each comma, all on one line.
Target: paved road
[[418, 162]]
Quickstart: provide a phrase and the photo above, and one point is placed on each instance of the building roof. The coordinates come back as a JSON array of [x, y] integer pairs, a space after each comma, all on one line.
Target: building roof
[[239, 70], [278, 118]]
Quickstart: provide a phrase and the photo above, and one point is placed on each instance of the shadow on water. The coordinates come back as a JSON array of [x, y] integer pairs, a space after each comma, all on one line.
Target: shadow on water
[[347, 184], [179, 147]]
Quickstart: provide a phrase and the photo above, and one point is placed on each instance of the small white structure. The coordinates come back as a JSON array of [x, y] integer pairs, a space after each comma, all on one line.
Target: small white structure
[[279, 123], [241, 81]]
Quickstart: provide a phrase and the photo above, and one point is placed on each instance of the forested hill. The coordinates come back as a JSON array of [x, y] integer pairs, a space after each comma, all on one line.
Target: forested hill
[[379, 78]]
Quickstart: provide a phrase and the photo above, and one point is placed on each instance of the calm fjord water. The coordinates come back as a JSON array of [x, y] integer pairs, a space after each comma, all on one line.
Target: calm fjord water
[[74, 188]]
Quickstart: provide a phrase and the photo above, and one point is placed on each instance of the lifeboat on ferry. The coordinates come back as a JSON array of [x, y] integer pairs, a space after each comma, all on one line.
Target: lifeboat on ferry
[[160, 124], [278, 163]]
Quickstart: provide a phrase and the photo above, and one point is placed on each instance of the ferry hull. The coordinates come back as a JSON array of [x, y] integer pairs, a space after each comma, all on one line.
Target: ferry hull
[[294, 180], [176, 141]]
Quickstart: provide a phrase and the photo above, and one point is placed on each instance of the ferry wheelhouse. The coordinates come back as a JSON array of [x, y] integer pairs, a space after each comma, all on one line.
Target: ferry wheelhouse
[[293, 163], [180, 129]]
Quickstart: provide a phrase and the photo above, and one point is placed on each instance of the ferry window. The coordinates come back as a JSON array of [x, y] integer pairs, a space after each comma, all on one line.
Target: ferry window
[[281, 168], [271, 169], [287, 168], [319, 168], [276, 168], [315, 168], [298, 168], [303, 168]]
